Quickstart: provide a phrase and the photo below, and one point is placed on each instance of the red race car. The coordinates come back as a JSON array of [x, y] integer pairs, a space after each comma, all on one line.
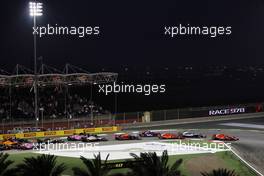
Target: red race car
[[224, 137], [127, 136], [171, 136]]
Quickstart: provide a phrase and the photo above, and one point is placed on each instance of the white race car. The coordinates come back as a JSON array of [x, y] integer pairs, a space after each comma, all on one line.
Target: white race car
[[93, 138], [188, 134]]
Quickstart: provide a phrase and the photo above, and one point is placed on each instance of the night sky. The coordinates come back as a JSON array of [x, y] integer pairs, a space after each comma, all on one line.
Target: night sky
[[132, 33]]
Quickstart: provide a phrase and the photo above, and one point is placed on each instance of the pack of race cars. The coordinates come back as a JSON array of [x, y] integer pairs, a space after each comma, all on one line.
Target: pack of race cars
[[19, 144], [179, 135], [86, 138], [29, 144]]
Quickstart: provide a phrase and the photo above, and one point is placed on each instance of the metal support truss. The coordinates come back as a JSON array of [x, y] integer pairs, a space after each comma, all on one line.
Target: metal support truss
[[49, 76]]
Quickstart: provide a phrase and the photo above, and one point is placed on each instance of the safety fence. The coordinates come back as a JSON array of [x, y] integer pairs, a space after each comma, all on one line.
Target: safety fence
[[8, 126], [183, 113]]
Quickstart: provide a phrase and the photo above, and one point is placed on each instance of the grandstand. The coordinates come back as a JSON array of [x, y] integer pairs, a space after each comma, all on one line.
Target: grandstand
[[54, 99]]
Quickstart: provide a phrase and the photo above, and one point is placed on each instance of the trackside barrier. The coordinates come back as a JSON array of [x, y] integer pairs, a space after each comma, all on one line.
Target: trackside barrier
[[60, 132]]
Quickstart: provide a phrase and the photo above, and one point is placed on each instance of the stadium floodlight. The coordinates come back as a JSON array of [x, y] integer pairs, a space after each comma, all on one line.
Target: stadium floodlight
[[35, 9]]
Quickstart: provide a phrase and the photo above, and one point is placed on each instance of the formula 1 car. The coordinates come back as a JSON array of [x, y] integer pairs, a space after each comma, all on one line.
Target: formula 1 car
[[224, 137], [127, 136], [188, 134], [76, 137], [55, 141], [149, 134], [50, 140], [171, 136], [26, 146], [9, 144], [20, 144], [93, 138]]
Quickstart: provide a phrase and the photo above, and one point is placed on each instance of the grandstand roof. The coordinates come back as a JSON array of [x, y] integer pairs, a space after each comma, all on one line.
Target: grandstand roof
[[50, 76]]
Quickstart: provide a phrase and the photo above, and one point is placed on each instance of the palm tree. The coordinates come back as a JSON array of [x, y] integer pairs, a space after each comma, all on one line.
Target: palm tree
[[42, 165], [220, 172], [94, 167], [150, 164], [4, 164]]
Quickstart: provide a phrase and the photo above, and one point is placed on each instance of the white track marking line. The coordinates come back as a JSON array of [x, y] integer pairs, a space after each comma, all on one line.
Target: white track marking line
[[243, 125], [244, 161]]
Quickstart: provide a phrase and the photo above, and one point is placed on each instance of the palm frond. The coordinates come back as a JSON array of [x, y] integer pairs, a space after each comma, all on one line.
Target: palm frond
[[94, 167], [220, 172], [4, 164], [153, 165], [80, 172], [40, 165]]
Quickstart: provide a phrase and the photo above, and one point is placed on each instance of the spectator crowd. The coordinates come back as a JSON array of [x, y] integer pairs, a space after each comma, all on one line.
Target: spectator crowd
[[53, 104]]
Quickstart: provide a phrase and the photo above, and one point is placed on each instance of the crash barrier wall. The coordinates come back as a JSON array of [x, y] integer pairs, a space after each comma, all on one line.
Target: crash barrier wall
[[134, 117], [190, 120], [60, 132]]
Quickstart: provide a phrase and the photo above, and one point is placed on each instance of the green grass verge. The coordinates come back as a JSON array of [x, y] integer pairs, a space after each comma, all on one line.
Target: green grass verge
[[229, 159], [233, 162]]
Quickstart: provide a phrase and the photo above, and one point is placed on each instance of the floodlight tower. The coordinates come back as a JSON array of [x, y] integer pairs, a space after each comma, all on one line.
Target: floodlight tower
[[35, 10]]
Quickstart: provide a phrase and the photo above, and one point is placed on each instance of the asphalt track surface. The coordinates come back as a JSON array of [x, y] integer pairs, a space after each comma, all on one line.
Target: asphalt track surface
[[251, 136], [250, 145], [212, 125]]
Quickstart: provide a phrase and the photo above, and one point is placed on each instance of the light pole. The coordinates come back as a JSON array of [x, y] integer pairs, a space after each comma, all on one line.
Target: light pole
[[69, 118], [42, 115], [115, 108], [3, 126], [35, 9], [91, 106]]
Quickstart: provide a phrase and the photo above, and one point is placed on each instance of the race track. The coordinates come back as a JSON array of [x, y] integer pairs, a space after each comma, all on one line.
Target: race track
[[250, 132]]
